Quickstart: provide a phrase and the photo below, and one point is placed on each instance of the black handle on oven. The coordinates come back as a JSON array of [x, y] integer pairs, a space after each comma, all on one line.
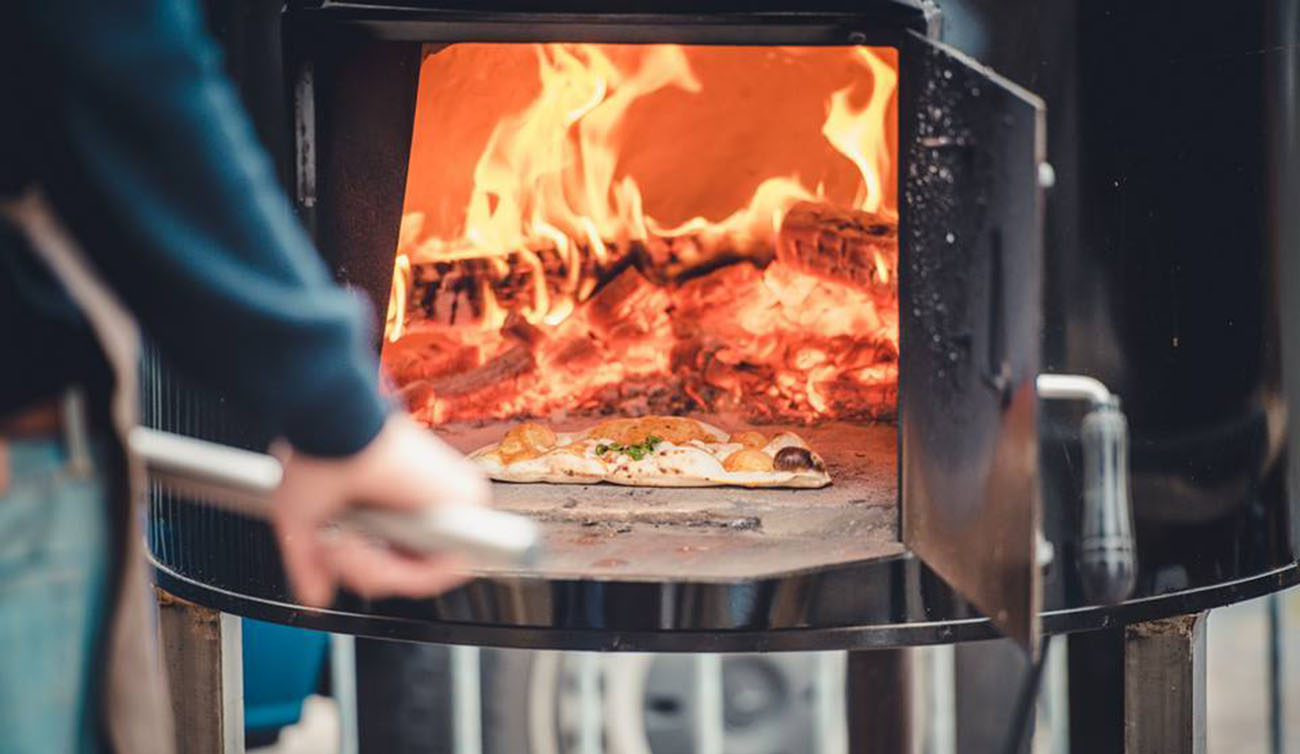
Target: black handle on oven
[[1107, 553], [1106, 549]]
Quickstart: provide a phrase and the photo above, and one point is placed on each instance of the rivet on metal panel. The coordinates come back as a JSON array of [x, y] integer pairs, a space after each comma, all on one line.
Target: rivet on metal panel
[[1046, 175], [1046, 551]]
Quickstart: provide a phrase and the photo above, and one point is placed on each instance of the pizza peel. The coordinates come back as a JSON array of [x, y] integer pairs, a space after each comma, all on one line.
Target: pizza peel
[[243, 481]]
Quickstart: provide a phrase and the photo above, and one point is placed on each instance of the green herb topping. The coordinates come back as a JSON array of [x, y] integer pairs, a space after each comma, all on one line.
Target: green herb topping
[[637, 451]]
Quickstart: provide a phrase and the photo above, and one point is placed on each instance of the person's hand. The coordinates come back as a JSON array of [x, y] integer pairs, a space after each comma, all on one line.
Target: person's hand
[[404, 467]]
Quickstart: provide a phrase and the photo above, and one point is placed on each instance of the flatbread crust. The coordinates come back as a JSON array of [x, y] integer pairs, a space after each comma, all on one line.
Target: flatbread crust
[[687, 455]]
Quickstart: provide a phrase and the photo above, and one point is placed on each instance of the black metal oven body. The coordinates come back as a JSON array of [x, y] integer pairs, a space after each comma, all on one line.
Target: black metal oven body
[[1153, 282]]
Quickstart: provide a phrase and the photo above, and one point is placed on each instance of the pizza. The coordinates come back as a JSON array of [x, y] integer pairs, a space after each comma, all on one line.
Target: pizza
[[653, 451]]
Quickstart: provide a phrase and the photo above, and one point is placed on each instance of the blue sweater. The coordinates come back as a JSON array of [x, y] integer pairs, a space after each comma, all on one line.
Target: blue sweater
[[121, 113]]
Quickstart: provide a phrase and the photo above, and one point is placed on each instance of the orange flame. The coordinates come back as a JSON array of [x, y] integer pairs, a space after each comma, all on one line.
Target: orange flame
[[856, 133], [574, 170], [548, 174], [395, 322]]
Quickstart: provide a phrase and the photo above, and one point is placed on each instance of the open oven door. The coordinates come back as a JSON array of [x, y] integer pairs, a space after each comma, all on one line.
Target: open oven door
[[970, 288]]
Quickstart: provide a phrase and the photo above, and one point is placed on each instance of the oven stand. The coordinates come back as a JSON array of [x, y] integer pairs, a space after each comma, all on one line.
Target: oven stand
[[879, 701], [1164, 686], [203, 655], [1139, 688], [1155, 670]]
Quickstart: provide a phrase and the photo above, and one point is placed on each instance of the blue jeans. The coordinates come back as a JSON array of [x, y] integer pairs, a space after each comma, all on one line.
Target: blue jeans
[[54, 555]]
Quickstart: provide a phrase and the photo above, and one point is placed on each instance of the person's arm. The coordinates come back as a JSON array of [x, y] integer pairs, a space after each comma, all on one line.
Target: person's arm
[[143, 147], [142, 144]]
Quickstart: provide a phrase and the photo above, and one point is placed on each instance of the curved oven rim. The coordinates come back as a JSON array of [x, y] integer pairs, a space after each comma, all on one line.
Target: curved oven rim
[[628, 633]]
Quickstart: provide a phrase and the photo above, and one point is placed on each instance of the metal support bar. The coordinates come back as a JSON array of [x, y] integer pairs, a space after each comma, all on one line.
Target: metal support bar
[[1052, 717], [831, 729], [203, 655], [880, 701], [1275, 671], [934, 699], [232, 682], [343, 682], [1164, 686], [709, 730], [466, 700], [591, 723]]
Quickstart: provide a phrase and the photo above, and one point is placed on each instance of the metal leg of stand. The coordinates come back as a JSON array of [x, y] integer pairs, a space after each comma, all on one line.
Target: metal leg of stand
[[831, 726], [202, 652], [710, 725], [1096, 690], [1164, 686], [880, 701], [467, 700], [343, 682]]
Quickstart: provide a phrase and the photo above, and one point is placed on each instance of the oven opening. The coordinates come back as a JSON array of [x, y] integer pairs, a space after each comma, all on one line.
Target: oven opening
[[611, 229]]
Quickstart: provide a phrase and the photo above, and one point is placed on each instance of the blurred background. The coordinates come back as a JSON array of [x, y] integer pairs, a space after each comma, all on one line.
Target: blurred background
[[425, 699]]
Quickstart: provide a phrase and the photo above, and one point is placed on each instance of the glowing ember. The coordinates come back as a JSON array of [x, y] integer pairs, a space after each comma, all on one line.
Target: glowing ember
[[619, 228]]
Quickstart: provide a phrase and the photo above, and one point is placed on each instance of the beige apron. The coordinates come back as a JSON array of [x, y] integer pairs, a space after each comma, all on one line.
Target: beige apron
[[136, 713]]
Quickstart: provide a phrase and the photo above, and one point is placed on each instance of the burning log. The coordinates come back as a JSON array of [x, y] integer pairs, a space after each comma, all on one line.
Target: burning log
[[573, 354], [514, 362], [798, 337], [628, 306], [844, 245], [426, 355], [415, 395], [522, 330], [708, 304], [452, 292]]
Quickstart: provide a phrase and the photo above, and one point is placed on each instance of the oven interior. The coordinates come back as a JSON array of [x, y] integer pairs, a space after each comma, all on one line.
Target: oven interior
[[629, 229], [591, 230]]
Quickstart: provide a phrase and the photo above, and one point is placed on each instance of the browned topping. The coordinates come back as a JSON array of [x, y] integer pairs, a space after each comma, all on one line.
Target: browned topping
[[748, 459], [528, 440], [749, 438], [794, 458], [674, 429]]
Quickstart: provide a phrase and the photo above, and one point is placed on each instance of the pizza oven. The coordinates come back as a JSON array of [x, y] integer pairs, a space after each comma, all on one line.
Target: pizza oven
[[1037, 413]]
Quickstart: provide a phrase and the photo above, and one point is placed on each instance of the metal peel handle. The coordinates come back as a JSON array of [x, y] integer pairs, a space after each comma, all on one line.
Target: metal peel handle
[[481, 534], [243, 481]]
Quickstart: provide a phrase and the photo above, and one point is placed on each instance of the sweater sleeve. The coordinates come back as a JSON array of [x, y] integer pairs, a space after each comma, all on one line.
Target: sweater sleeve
[[143, 146]]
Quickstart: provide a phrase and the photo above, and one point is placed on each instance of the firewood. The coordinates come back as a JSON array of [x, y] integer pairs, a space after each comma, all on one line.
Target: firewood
[[515, 361], [415, 395], [709, 304], [621, 299], [573, 354], [522, 330], [451, 292], [839, 244], [426, 355]]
